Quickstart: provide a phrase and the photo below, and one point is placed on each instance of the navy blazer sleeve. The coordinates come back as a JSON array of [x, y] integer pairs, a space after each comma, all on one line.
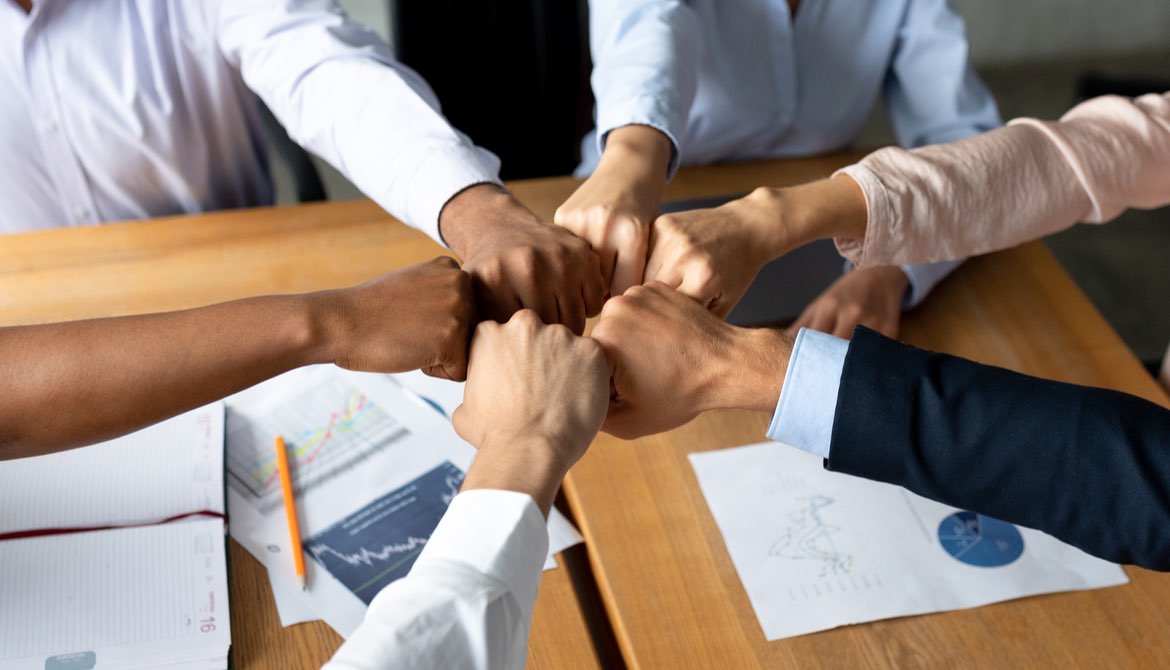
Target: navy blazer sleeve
[[1088, 466]]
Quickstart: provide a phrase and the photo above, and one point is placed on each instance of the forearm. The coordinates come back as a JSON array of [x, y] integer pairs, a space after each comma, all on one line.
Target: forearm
[[531, 466], [1085, 465], [778, 220], [1013, 184], [71, 384], [338, 90], [645, 56], [640, 155]]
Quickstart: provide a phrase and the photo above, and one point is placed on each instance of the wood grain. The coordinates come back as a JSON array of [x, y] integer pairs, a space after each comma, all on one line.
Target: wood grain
[[180, 262], [669, 587], [674, 596]]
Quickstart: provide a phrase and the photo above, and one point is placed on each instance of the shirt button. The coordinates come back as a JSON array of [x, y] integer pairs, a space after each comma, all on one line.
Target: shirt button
[[49, 126]]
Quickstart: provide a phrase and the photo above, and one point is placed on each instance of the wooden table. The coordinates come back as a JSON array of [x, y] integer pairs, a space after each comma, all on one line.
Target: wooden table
[[670, 587], [668, 584], [189, 261]]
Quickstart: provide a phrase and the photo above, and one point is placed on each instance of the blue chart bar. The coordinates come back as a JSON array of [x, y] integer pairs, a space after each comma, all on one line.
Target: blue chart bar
[[380, 542], [980, 540]]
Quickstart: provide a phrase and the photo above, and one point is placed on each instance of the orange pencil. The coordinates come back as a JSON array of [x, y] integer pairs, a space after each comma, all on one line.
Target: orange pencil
[[290, 509]]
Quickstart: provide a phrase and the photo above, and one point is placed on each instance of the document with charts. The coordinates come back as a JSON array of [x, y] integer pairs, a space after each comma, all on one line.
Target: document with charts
[[374, 467], [816, 549], [113, 555]]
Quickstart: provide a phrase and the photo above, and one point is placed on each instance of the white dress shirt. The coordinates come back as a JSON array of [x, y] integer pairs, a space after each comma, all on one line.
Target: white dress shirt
[[740, 79], [123, 109], [467, 602]]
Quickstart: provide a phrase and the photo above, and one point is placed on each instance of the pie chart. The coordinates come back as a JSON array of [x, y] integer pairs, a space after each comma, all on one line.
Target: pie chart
[[980, 540]]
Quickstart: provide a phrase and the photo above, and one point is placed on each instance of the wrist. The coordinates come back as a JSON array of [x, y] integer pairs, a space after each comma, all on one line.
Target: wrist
[[753, 370], [525, 464], [640, 152], [463, 219], [821, 210], [324, 326]]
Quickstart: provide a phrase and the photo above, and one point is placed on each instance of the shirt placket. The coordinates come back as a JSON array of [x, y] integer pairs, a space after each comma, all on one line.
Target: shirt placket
[[61, 161], [783, 66]]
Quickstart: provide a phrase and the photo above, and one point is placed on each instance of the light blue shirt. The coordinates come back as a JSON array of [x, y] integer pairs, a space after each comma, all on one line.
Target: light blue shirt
[[741, 79], [808, 400]]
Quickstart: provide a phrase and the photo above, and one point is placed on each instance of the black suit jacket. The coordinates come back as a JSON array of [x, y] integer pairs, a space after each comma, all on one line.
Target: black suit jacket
[[1088, 466]]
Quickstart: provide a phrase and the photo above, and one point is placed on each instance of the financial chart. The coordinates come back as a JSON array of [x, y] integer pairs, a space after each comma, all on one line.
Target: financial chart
[[379, 543], [328, 430]]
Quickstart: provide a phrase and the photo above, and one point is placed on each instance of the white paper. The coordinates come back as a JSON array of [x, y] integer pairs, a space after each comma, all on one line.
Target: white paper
[[442, 394], [131, 597], [353, 438], [816, 549], [168, 469]]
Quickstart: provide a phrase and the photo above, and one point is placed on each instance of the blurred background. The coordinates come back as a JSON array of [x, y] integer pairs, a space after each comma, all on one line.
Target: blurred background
[[513, 75]]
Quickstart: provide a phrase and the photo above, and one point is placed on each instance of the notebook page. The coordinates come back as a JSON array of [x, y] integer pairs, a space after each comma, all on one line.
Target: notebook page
[[171, 468], [139, 597]]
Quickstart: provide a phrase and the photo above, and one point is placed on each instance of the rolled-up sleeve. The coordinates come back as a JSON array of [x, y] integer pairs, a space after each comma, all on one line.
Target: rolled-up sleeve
[[645, 64], [338, 90]]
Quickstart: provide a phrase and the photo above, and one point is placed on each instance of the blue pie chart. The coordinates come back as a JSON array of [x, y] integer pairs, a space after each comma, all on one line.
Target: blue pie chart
[[979, 540]]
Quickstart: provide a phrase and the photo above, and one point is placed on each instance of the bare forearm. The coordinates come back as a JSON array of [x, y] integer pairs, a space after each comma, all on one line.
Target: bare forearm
[[789, 217], [530, 466], [76, 383]]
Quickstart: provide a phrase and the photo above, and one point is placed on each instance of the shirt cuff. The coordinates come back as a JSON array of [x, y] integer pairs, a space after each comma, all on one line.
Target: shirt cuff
[[923, 278], [440, 177], [642, 112], [808, 399], [879, 213], [501, 534]]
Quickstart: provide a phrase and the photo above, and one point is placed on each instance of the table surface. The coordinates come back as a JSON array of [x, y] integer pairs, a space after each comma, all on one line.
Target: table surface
[[668, 584], [180, 262], [671, 589]]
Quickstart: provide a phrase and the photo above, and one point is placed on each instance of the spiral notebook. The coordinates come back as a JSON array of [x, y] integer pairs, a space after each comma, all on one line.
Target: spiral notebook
[[113, 555]]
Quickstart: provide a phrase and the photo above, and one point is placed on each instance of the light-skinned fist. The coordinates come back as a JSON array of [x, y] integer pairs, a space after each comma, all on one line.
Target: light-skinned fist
[[671, 359]]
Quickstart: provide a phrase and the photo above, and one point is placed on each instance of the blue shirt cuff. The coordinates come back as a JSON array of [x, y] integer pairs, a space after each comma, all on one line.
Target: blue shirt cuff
[[808, 399], [923, 278]]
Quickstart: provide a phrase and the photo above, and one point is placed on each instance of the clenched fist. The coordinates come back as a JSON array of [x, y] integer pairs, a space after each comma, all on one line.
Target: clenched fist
[[672, 360], [517, 261], [534, 401], [419, 317]]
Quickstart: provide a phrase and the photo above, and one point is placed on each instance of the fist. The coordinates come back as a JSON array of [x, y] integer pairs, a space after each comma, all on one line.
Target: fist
[[712, 255], [519, 262], [419, 317], [533, 384], [672, 360]]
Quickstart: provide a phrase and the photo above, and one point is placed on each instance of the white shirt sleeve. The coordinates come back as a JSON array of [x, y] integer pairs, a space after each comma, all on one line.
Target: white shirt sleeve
[[468, 600], [339, 92], [645, 64], [808, 400]]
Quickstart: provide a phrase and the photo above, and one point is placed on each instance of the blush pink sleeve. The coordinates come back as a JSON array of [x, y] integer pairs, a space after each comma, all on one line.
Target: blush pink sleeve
[[1018, 183]]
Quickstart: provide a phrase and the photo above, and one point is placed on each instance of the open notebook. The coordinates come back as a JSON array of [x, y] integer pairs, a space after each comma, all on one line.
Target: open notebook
[[113, 556]]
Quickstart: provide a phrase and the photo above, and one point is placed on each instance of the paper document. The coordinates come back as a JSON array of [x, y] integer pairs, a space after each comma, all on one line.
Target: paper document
[[374, 467], [114, 555], [139, 597], [171, 468], [816, 549]]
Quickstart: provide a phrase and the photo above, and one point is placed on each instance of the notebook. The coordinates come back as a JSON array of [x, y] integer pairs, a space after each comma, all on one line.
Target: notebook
[[113, 555]]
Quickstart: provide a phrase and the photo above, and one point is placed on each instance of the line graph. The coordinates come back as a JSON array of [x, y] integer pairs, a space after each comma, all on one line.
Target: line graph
[[328, 430], [810, 537], [380, 542]]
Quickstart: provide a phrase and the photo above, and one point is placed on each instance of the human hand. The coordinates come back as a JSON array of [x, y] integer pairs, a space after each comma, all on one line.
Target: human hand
[[419, 317], [672, 360], [712, 255], [517, 261], [614, 208], [870, 297], [535, 399]]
